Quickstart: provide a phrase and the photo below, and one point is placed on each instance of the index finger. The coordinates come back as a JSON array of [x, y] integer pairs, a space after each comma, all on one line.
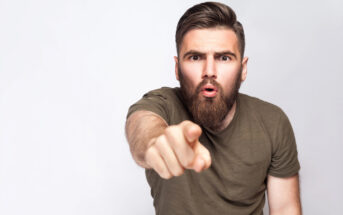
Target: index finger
[[191, 131]]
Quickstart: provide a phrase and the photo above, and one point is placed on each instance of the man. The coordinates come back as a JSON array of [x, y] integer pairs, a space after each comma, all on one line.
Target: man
[[206, 148]]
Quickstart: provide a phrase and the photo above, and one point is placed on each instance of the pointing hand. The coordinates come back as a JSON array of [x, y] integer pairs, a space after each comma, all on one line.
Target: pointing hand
[[178, 148]]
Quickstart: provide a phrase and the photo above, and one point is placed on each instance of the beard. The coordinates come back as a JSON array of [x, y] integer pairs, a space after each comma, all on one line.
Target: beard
[[209, 112]]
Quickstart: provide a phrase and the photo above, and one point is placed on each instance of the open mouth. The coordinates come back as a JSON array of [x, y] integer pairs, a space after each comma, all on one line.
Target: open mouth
[[209, 90]]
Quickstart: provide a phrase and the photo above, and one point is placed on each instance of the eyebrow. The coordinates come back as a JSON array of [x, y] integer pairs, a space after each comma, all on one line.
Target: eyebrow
[[194, 52]]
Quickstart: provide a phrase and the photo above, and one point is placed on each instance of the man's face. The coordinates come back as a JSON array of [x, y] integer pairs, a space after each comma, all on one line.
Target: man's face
[[210, 70]]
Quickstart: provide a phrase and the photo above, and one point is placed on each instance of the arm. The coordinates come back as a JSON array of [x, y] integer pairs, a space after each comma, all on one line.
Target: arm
[[283, 195], [142, 127]]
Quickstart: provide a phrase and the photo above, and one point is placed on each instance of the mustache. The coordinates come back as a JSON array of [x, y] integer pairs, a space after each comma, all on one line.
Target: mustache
[[207, 81]]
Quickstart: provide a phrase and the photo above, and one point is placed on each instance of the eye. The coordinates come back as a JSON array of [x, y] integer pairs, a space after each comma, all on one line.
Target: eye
[[224, 58], [194, 57]]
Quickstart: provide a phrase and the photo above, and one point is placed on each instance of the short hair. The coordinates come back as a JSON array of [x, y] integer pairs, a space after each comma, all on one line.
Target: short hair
[[209, 15]]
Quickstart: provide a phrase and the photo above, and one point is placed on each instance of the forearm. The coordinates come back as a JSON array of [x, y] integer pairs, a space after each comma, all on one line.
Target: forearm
[[141, 129], [293, 209], [290, 207]]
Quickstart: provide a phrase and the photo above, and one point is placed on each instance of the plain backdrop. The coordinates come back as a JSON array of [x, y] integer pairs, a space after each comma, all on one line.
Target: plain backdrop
[[70, 69]]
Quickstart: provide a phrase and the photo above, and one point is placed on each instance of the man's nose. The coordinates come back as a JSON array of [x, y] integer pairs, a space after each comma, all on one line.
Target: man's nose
[[209, 70]]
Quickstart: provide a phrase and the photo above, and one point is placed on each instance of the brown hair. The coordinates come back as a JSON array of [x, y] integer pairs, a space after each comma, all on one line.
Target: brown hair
[[209, 15]]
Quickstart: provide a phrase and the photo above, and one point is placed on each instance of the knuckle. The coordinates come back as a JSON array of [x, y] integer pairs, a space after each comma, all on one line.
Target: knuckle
[[151, 159], [186, 158], [162, 170], [185, 122], [159, 169], [160, 141], [175, 171], [189, 162], [165, 175], [179, 172], [170, 131], [172, 136], [186, 162], [149, 153]]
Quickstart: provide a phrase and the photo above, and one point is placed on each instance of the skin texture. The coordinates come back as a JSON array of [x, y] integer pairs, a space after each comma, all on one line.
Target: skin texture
[[204, 53]]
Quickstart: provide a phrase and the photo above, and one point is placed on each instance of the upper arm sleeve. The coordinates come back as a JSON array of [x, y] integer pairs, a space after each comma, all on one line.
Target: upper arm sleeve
[[284, 161], [153, 101]]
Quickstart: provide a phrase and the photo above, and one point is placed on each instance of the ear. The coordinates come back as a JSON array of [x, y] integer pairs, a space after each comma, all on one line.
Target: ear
[[244, 68], [176, 68]]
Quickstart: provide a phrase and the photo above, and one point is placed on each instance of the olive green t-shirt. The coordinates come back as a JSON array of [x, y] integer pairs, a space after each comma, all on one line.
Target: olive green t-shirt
[[258, 142]]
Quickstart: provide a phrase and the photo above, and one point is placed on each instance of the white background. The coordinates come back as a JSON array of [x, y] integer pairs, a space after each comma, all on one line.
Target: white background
[[69, 70]]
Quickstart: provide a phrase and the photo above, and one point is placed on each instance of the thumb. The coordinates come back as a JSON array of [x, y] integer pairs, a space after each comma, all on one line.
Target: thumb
[[191, 132]]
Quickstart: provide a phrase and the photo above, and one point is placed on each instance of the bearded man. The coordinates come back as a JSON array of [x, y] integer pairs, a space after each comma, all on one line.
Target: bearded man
[[206, 148]]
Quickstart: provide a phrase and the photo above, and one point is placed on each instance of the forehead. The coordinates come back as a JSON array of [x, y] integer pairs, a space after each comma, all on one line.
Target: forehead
[[210, 40]]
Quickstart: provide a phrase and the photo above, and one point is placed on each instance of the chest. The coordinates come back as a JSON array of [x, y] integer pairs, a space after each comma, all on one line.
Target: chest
[[240, 162]]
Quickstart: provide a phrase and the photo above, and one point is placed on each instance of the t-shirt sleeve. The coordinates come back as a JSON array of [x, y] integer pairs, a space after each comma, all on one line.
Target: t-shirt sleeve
[[284, 161], [154, 101]]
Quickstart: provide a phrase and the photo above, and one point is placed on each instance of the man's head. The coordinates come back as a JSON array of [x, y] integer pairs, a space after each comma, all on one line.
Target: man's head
[[209, 15], [210, 64]]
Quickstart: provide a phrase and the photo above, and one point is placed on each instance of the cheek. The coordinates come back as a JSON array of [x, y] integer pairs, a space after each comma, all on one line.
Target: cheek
[[228, 78], [191, 75]]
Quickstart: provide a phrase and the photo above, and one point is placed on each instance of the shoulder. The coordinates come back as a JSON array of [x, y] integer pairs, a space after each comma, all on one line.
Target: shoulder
[[270, 117], [260, 108], [258, 104], [163, 101], [163, 93]]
